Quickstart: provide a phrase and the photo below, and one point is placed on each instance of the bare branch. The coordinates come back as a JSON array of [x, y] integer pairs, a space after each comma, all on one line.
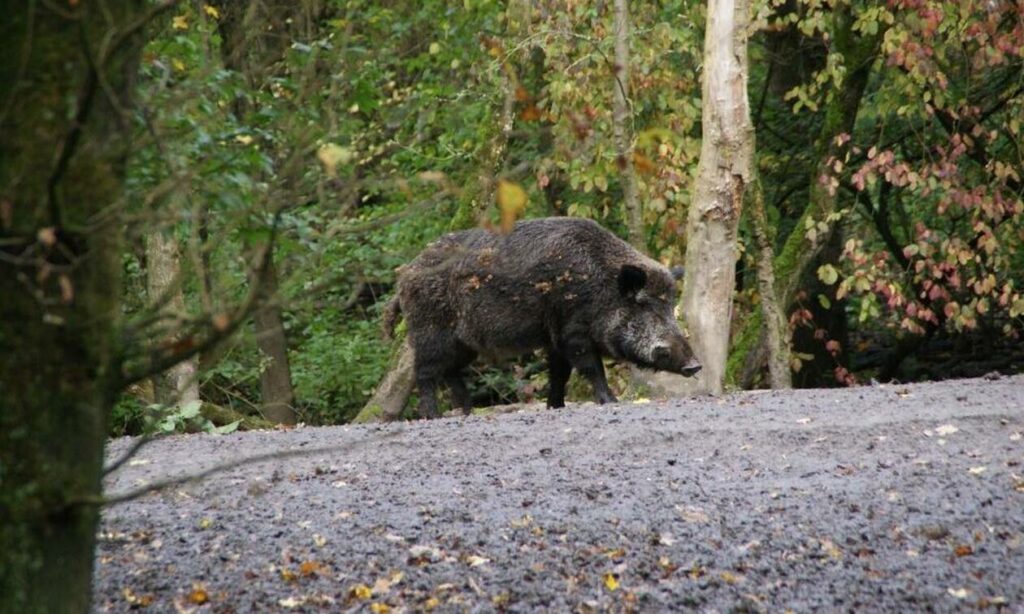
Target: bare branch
[[131, 495]]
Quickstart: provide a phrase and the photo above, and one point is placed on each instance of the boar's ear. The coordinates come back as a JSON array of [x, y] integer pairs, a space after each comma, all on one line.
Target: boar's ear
[[632, 279], [678, 272]]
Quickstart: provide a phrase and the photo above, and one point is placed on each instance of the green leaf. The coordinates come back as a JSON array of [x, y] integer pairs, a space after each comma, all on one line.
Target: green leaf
[[828, 274], [227, 428]]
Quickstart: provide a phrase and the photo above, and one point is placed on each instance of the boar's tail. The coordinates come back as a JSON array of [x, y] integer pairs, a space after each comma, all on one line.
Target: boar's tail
[[390, 318]]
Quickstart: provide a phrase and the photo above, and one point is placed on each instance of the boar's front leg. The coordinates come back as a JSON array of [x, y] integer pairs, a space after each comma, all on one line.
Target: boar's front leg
[[585, 358], [559, 370]]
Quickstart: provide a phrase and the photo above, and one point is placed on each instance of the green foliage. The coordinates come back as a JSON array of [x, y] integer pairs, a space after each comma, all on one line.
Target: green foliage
[[375, 135]]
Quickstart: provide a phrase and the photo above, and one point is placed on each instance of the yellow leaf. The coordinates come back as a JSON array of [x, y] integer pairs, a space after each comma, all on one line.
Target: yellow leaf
[[431, 603], [511, 203], [178, 65], [730, 578], [331, 155], [610, 582], [211, 11], [475, 561], [288, 575], [360, 591], [180, 22], [379, 608], [309, 568], [198, 596], [244, 139]]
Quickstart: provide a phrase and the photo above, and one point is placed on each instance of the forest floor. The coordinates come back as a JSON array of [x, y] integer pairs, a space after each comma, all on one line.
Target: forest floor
[[894, 497]]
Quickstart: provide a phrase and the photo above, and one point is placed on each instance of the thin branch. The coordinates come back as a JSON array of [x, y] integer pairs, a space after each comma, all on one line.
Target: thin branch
[[131, 495]]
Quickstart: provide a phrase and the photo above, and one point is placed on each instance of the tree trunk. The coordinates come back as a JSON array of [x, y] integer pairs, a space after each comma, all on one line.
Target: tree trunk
[[722, 177], [277, 396], [392, 394], [840, 117], [623, 130], [163, 272], [254, 37], [60, 283], [776, 328]]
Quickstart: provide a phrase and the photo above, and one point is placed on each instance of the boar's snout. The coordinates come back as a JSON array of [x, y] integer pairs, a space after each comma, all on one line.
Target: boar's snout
[[690, 369], [676, 357]]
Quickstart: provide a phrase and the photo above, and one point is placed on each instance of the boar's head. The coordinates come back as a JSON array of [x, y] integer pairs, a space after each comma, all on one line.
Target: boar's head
[[643, 328]]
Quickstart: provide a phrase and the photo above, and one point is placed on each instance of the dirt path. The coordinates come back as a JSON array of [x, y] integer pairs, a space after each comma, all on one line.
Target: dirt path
[[900, 498]]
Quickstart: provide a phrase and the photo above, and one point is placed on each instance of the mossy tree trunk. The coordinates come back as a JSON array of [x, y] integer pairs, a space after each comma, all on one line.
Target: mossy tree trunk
[[800, 249], [723, 175], [61, 177], [776, 328]]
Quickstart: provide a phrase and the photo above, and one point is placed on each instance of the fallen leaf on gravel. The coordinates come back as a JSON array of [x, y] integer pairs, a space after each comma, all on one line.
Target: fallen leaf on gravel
[[692, 514], [946, 429], [421, 555], [730, 578], [1015, 436], [380, 608], [205, 523], [431, 603], [666, 539], [977, 470], [617, 553], [291, 602], [610, 582], [360, 591], [696, 572], [959, 593], [136, 600], [475, 561], [501, 599], [288, 575], [319, 540], [831, 549], [963, 550], [309, 568], [198, 596], [383, 585]]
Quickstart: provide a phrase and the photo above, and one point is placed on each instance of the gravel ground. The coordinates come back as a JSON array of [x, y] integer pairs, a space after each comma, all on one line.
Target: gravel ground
[[897, 498]]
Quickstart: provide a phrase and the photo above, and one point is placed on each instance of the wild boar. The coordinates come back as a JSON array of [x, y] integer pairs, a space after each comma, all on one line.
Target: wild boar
[[565, 285]]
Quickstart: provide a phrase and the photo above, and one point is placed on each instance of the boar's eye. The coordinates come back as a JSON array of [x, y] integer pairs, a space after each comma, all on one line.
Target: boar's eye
[[632, 279]]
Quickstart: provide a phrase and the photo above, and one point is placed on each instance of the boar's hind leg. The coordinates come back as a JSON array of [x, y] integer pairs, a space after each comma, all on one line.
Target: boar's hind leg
[[427, 407], [559, 369], [587, 360], [460, 395]]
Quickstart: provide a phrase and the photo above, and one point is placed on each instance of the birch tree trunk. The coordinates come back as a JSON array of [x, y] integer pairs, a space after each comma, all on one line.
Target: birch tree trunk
[[623, 130], [180, 384], [722, 178]]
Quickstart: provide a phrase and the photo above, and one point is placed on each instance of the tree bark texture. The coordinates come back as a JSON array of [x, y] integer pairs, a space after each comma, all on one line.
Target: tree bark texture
[[61, 175], [392, 393], [163, 283], [277, 396], [776, 327], [799, 251], [723, 175], [623, 129]]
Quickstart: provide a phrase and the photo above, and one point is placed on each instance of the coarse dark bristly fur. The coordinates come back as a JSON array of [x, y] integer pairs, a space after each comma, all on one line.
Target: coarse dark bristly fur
[[565, 285]]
